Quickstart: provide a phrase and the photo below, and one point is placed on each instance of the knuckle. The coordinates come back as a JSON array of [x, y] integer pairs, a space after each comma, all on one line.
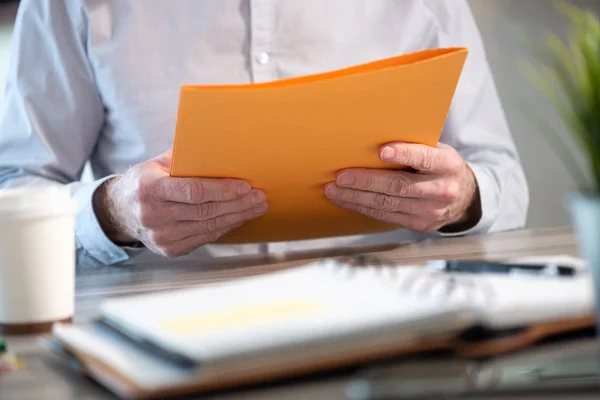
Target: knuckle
[[145, 216], [399, 186], [383, 202], [402, 155], [196, 191], [152, 188], [213, 224], [426, 160], [447, 214], [191, 190], [438, 214], [368, 182], [185, 190], [188, 191], [452, 191], [376, 214], [207, 211], [352, 195]]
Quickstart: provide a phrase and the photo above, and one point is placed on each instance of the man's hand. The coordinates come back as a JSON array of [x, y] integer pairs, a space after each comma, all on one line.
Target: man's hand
[[440, 195], [173, 216]]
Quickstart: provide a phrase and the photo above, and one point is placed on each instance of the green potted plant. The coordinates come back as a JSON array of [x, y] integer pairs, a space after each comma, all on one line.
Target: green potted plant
[[568, 74]]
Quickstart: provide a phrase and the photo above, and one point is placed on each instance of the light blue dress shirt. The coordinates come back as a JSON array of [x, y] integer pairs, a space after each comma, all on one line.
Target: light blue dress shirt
[[99, 80]]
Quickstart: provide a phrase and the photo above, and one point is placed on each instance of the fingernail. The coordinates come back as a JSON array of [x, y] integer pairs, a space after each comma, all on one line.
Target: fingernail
[[332, 191], [260, 210], [258, 198], [345, 179], [388, 153], [243, 188]]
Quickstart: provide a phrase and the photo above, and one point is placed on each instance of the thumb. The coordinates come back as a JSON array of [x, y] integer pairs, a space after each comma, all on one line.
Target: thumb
[[164, 160]]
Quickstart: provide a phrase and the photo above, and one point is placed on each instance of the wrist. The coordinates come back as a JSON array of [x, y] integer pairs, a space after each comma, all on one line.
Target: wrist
[[107, 212]]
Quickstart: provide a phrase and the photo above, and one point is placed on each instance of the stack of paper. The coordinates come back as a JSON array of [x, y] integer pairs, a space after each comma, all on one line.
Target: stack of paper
[[316, 317]]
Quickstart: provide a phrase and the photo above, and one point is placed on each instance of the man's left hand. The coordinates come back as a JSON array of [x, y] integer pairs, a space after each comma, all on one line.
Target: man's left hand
[[441, 193]]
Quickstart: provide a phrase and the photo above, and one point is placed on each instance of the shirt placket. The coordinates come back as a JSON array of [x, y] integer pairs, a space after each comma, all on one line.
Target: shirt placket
[[262, 29], [262, 63]]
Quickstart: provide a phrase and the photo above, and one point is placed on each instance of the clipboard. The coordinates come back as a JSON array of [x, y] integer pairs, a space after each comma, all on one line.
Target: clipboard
[[290, 137]]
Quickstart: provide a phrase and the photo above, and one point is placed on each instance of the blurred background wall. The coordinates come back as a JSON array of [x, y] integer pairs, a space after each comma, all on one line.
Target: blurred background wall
[[500, 22]]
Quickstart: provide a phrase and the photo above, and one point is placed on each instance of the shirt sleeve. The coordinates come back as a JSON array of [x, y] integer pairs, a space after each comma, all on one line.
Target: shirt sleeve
[[53, 116], [476, 126]]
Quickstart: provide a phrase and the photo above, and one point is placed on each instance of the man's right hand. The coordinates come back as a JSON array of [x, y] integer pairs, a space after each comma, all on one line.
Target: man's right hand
[[173, 216]]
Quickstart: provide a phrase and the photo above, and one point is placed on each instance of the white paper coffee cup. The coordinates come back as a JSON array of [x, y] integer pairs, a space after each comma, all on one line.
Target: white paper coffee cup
[[37, 258]]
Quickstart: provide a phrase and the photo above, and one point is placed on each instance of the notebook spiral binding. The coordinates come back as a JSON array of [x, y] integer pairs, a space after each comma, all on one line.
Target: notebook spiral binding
[[418, 281]]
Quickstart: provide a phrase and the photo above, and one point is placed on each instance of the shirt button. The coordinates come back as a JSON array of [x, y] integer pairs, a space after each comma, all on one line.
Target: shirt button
[[263, 58]]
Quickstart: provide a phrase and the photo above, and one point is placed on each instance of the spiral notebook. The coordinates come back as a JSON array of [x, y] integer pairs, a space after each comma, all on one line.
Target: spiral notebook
[[318, 316]]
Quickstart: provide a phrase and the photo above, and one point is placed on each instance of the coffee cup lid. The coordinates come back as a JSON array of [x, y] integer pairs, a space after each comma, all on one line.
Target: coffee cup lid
[[35, 202]]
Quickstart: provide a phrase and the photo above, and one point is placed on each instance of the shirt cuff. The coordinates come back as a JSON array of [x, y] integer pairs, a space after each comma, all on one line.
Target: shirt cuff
[[89, 234], [488, 194]]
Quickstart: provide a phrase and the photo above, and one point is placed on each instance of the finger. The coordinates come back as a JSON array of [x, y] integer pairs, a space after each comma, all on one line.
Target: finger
[[191, 228], [379, 201], [399, 184], [200, 190], [184, 229], [191, 243], [402, 220], [440, 160], [213, 209]]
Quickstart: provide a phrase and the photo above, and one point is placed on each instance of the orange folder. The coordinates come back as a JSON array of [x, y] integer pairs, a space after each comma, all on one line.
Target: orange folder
[[290, 137]]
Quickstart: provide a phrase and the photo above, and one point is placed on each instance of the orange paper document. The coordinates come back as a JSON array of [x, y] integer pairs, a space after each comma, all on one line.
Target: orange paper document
[[290, 137]]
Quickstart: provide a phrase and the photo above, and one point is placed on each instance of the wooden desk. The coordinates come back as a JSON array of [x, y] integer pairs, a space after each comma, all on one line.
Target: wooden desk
[[46, 378]]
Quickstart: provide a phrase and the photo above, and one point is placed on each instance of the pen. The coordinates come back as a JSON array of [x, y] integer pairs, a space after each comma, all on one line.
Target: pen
[[477, 267]]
